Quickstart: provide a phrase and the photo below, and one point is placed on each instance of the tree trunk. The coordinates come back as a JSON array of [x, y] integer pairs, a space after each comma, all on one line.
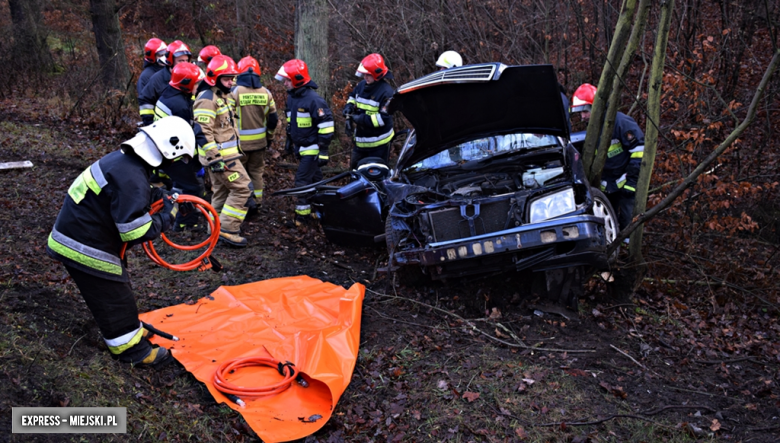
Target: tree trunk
[[29, 36], [637, 31], [311, 41], [114, 71], [594, 165]]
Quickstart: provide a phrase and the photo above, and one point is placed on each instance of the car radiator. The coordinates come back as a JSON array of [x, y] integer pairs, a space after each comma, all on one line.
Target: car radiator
[[462, 222]]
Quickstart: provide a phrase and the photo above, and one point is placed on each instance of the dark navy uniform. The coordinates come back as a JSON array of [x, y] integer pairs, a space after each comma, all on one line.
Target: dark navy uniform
[[311, 130], [147, 99], [149, 70], [374, 131], [107, 206], [621, 170], [184, 175]]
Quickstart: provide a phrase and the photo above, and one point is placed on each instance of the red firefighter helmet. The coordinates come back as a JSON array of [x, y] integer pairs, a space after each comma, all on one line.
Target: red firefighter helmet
[[207, 53], [177, 49], [296, 71], [248, 62], [583, 98], [218, 66], [154, 50], [185, 76], [374, 65]]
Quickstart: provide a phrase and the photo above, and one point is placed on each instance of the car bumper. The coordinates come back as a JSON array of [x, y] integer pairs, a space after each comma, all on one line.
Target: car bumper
[[575, 240]]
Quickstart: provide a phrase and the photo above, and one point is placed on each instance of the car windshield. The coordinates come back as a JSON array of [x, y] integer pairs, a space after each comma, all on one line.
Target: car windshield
[[484, 148]]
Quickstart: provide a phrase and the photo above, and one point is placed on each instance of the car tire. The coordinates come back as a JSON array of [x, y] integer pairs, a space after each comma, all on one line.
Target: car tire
[[603, 208], [410, 275]]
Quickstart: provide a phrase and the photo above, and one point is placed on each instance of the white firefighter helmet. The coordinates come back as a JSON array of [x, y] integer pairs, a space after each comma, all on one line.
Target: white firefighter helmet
[[170, 137], [449, 59]]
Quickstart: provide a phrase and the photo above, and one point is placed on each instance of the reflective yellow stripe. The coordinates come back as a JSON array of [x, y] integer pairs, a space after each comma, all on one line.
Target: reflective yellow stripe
[[234, 212], [205, 112], [83, 183], [252, 137], [223, 110], [310, 152], [375, 143], [328, 130], [637, 154], [367, 107], [629, 188], [614, 150], [135, 233], [303, 122], [134, 340], [85, 260], [146, 111], [228, 152]]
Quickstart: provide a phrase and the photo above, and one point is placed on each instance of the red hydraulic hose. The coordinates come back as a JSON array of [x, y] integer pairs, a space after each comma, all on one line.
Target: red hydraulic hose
[[236, 393], [202, 262]]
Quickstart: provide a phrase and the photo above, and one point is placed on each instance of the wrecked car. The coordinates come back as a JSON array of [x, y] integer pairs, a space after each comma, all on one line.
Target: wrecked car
[[487, 181]]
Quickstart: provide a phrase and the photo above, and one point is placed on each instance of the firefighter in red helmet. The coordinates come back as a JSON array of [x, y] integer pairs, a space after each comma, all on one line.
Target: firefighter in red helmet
[[624, 156], [309, 129], [257, 119], [367, 109], [155, 52], [178, 52], [221, 154]]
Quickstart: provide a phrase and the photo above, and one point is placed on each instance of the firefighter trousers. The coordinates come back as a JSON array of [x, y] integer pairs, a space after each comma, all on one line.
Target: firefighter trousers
[[112, 304], [254, 163], [308, 172], [231, 191]]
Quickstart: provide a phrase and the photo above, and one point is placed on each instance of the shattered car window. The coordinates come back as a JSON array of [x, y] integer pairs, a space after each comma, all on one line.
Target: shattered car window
[[484, 148]]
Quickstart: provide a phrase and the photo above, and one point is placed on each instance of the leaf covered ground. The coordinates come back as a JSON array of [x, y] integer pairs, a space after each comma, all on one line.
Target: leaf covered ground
[[694, 354]]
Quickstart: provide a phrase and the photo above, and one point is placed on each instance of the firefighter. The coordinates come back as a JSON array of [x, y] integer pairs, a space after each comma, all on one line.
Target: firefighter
[[204, 57], [177, 52], [309, 130], [107, 206], [155, 51], [257, 119], [176, 100], [367, 109], [624, 156], [221, 154], [449, 59]]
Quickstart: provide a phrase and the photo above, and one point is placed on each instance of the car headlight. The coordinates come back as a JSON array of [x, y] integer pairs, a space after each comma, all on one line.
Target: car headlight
[[552, 205]]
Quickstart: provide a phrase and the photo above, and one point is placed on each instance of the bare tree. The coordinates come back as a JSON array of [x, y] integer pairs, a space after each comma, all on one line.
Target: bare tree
[[114, 71], [311, 40], [29, 35]]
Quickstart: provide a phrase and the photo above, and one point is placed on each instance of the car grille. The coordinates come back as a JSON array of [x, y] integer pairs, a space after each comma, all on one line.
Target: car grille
[[465, 74], [448, 224]]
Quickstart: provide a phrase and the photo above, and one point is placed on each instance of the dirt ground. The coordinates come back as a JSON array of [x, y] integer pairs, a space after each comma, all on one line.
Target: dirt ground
[[463, 361]]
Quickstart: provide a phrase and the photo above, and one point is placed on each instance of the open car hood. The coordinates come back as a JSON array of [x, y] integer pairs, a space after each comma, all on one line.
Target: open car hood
[[461, 104]]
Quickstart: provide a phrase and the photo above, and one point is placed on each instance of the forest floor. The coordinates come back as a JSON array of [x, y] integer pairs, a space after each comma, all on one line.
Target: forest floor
[[680, 360]]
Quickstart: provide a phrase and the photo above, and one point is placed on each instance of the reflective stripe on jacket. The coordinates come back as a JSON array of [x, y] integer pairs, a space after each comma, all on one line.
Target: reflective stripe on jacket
[[215, 117], [374, 124], [106, 206], [254, 105]]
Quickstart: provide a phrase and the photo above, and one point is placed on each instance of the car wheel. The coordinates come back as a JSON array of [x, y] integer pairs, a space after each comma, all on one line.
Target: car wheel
[[405, 275], [603, 208]]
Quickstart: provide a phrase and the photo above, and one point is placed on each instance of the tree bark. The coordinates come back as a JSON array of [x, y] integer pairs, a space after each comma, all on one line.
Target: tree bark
[[311, 41], [705, 164], [30, 36], [637, 31], [594, 165], [651, 130], [114, 72]]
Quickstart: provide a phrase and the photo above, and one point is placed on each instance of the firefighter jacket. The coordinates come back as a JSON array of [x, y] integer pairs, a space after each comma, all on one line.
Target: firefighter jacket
[[310, 121], [178, 103], [106, 206], [624, 157], [149, 70], [256, 112], [217, 121], [374, 124], [151, 93]]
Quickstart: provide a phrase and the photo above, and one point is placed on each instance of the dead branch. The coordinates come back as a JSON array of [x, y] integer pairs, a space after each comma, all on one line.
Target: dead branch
[[596, 422], [658, 411], [476, 329], [704, 165], [634, 360]]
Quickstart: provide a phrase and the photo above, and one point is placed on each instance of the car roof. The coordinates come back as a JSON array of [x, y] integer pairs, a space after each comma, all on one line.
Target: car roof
[[474, 101]]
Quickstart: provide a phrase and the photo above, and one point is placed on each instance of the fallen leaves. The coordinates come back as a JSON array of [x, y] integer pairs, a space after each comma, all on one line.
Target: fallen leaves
[[470, 396], [617, 391]]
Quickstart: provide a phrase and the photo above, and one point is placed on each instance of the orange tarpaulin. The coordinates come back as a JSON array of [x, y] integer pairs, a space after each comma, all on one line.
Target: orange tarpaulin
[[313, 324]]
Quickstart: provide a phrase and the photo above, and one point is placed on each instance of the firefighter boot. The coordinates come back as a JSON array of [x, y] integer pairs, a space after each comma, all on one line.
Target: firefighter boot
[[232, 238], [145, 355]]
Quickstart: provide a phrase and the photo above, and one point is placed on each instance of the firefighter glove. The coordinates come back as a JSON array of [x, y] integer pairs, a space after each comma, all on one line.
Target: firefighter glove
[[157, 194], [349, 109], [289, 148], [349, 126], [169, 209], [322, 160], [219, 166]]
